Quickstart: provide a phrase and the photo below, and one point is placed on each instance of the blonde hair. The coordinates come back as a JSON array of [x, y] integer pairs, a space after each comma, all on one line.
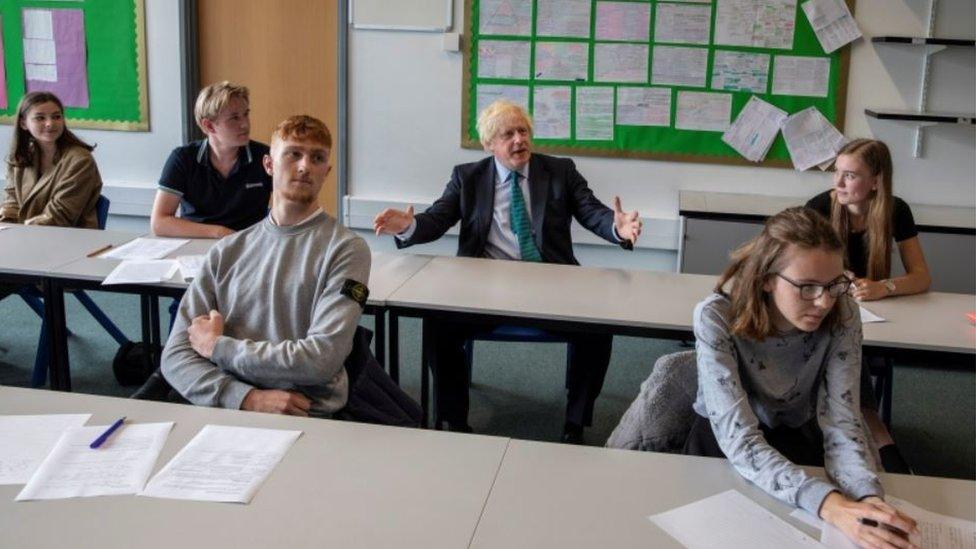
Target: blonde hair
[[215, 97], [755, 261], [491, 119], [302, 127], [877, 238]]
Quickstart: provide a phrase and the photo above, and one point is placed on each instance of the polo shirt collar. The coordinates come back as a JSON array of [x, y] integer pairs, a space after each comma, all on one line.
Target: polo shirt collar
[[202, 151]]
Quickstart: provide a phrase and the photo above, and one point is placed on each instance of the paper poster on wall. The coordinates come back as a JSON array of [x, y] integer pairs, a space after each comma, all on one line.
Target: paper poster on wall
[[682, 24], [796, 75], [678, 66], [620, 63], [561, 60], [643, 106], [504, 59], [551, 106], [754, 130], [594, 113], [811, 139], [755, 23], [628, 21], [740, 71], [55, 57], [507, 17], [832, 22], [3, 71], [563, 18], [703, 111], [489, 93]]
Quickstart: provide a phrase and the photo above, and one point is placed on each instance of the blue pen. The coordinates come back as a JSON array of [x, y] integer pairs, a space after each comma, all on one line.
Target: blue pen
[[108, 432]]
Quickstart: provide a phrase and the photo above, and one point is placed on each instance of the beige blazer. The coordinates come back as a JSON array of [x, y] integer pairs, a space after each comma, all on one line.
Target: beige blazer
[[65, 196]]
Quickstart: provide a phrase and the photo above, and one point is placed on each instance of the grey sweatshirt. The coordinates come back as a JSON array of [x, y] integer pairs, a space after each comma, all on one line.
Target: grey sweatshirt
[[287, 323], [787, 379]]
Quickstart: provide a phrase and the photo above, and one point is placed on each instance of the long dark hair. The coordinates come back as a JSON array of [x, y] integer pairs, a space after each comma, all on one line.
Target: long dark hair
[[22, 147]]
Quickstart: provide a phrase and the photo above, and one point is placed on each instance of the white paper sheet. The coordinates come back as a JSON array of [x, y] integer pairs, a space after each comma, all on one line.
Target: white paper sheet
[[120, 466], [740, 71], [142, 271], [190, 266], [832, 22], [39, 51], [938, 531], [145, 248], [504, 59], [754, 130], [868, 317], [682, 24], [703, 111], [755, 23], [643, 106], [796, 75], [28, 439], [42, 73], [810, 138], [222, 463], [551, 112], [561, 60], [594, 112], [38, 24], [509, 17], [620, 63], [628, 21], [569, 18], [489, 93], [679, 66], [730, 520]]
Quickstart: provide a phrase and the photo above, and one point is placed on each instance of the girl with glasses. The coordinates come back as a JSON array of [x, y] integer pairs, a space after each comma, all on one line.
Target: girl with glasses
[[778, 353]]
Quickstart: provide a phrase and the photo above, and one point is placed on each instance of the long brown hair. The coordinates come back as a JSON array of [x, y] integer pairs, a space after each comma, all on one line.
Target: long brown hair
[[755, 261], [877, 238], [23, 147]]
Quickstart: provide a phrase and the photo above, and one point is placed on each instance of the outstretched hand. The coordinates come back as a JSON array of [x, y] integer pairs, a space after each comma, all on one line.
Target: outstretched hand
[[628, 224], [391, 221]]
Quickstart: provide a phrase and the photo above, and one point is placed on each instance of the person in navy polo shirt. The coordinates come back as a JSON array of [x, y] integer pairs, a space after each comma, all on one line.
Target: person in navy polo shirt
[[218, 184]]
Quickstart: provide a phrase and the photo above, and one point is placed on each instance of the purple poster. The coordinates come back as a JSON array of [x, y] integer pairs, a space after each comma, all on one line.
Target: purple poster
[[55, 59]]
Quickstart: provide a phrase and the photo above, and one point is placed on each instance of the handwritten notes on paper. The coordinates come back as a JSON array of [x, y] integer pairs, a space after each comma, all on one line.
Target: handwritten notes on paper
[[832, 22], [28, 439], [811, 139], [754, 130]]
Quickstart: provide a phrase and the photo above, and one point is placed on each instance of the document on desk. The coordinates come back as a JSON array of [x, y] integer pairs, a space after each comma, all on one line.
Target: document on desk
[[190, 266], [119, 466], [142, 271], [27, 440], [145, 248], [730, 520], [222, 463], [936, 531]]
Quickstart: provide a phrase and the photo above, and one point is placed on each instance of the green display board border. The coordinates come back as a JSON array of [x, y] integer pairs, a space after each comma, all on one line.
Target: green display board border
[[78, 117], [777, 158]]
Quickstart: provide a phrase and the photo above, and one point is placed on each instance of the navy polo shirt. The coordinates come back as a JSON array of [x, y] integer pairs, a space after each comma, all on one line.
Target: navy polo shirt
[[237, 202]]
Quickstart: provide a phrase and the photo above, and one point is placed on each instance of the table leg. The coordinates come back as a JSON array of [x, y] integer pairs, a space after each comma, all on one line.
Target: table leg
[[394, 338], [424, 375], [379, 342], [54, 315]]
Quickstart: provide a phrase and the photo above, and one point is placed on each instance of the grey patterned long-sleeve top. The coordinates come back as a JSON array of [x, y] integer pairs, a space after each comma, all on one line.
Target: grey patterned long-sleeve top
[[785, 379]]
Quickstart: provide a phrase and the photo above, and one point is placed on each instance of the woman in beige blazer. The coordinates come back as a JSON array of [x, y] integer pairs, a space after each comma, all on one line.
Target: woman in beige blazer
[[52, 178]]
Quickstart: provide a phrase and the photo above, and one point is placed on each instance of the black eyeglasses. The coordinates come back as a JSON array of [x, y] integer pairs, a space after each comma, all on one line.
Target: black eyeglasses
[[809, 292]]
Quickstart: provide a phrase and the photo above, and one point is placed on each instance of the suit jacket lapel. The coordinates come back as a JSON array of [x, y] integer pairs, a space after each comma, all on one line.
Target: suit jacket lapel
[[485, 200], [538, 196]]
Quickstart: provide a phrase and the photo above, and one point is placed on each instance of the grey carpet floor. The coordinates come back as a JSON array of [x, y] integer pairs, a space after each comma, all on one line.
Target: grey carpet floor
[[518, 388]]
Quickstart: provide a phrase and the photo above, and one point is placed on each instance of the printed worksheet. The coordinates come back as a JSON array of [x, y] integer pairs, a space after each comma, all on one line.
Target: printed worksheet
[[142, 271], [623, 21], [222, 463], [509, 17], [832, 22], [28, 439], [798, 75], [119, 466], [190, 266], [643, 106], [489, 93], [551, 112], [679, 66], [145, 248], [740, 71], [504, 59], [567, 18], [755, 129], [594, 112], [756, 23], [682, 23], [703, 111], [620, 63], [561, 60], [811, 139]]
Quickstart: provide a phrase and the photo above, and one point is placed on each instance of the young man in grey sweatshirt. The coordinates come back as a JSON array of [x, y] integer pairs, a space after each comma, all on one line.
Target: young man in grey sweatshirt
[[269, 321]]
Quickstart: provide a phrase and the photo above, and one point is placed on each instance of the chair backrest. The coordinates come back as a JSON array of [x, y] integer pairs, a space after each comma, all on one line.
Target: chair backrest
[[101, 210]]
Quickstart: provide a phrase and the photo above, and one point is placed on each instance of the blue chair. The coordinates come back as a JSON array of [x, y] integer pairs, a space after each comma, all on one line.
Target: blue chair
[[32, 296]]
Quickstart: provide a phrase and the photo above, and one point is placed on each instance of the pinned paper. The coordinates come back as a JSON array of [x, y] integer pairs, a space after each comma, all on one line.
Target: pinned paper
[[55, 56]]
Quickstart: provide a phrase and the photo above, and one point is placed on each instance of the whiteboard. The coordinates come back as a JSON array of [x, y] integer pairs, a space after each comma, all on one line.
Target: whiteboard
[[409, 15]]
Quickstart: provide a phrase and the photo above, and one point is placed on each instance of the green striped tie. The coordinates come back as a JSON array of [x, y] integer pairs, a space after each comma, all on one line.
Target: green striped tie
[[520, 221]]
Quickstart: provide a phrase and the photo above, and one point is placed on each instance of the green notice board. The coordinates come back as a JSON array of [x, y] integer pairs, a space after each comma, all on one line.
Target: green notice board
[[111, 54], [548, 54]]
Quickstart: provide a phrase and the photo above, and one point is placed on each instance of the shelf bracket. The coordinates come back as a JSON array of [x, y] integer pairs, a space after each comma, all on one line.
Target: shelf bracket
[[923, 94]]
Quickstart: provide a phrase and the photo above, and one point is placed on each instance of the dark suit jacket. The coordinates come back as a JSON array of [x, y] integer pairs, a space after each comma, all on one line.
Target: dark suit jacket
[[557, 194]]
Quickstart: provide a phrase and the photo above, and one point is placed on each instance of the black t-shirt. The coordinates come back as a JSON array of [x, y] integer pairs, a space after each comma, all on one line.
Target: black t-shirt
[[237, 202], [903, 228]]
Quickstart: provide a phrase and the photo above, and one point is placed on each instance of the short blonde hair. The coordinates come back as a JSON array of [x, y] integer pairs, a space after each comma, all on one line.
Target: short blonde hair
[[215, 97], [491, 119], [302, 127]]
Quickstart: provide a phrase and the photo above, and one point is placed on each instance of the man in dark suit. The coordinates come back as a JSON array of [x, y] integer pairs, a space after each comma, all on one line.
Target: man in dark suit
[[518, 206]]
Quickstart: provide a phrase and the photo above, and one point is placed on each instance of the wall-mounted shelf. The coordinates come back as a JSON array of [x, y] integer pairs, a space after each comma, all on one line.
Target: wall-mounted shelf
[[922, 117], [922, 41]]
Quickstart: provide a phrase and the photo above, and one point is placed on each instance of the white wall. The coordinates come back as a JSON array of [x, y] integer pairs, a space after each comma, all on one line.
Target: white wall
[[405, 104], [134, 159]]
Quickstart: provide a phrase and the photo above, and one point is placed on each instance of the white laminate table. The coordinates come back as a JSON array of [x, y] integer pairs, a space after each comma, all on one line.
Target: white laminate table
[[553, 495], [35, 249], [340, 485]]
